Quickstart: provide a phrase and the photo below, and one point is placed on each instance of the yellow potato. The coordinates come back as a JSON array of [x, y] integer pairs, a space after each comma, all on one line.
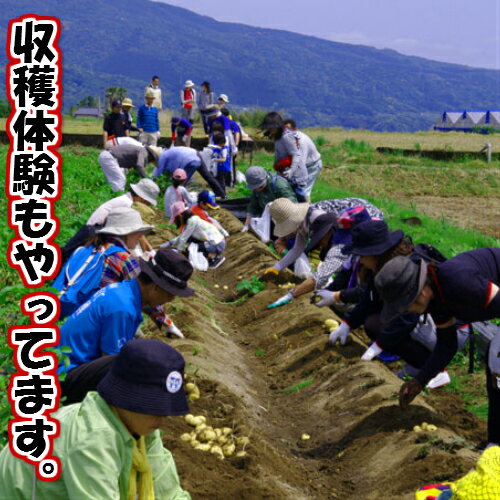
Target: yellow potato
[[193, 396], [240, 277], [186, 437], [225, 287], [228, 450], [226, 430], [305, 437], [242, 441], [417, 428], [218, 432], [241, 454], [195, 443], [432, 428], [424, 426], [202, 447], [190, 419], [222, 439], [200, 428], [216, 286], [217, 450], [331, 323]]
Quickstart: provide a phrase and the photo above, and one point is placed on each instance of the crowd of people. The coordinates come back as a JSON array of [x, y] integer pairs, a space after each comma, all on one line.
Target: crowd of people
[[413, 303]]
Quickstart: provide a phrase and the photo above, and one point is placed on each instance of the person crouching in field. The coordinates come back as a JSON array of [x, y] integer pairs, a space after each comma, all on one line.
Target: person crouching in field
[[206, 201], [465, 286], [177, 192], [210, 240], [110, 444], [118, 159], [101, 326], [181, 131]]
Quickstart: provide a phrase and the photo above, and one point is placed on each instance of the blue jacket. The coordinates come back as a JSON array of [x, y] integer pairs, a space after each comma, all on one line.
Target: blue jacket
[[104, 323], [147, 119]]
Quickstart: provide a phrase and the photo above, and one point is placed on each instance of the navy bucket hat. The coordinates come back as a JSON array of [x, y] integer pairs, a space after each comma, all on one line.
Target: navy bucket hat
[[372, 237], [147, 377]]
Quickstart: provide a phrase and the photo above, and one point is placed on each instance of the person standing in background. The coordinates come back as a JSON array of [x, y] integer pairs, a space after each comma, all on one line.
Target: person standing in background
[[115, 124], [148, 122], [206, 102], [154, 88], [188, 100]]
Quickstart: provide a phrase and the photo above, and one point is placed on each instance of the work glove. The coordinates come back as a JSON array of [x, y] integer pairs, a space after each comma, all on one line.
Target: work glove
[[245, 228], [408, 392], [173, 331], [342, 332], [282, 300], [149, 254], [270, 271], [372, 352], [326, 296]]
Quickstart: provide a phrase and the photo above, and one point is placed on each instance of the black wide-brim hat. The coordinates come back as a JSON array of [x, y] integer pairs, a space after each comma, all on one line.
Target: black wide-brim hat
[[321, 226], [399, 283], [146, 377], [372, 237], [170, 270]]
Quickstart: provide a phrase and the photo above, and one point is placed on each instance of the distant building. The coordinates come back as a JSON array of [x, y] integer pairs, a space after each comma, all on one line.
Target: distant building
[[468, 121], [88, 113]]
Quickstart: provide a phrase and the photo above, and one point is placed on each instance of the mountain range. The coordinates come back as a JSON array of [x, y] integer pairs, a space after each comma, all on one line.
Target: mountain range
[[318, 82]]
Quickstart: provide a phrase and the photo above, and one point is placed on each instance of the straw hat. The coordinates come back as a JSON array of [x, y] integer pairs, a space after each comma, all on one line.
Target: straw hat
[[150, 93], [287, 215], [122, 221], [127, 102], [156, 151]]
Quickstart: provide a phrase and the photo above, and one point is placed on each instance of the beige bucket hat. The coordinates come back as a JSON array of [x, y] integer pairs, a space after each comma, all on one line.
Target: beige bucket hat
[[147, 189], [287, 215], [122, 221]]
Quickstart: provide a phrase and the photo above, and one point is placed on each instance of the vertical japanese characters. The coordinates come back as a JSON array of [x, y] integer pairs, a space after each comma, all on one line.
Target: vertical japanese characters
[[33, 185]]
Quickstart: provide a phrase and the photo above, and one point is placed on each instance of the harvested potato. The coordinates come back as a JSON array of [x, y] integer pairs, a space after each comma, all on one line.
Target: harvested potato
[[417, 428], [242, 441], [217, 450], [186, 437], [305, 437], [241, 454], [240, 277], [216, 286], [424, 426], [225, 287], [190, 419], [202, 447], [200, 428], [331, 324], [229, 450], [432, 428], [190, 387], [208, 435], [226, 431], [195, 443], [218, 432], [222, 439]]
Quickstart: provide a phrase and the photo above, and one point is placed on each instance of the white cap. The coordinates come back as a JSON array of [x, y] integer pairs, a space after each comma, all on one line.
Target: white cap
[[224, 98]]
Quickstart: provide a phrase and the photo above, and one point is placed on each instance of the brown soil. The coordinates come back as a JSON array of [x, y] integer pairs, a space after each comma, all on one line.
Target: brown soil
[[242, 356], [478, 213]]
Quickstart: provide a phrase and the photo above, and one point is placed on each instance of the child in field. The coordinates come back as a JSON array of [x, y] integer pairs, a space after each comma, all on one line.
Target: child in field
[[177, 192], [221, 156], [181, 131], [206, 201], [193, 228]]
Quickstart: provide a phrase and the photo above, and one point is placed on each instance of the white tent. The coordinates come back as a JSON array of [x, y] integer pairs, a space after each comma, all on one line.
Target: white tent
[[466, 121]]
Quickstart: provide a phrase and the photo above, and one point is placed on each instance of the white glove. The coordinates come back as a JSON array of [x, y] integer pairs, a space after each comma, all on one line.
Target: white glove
[[149, 254], [245, 228], [224, 233], [173, 330], [166, 244], [372, 352], [342, 332], [327, 298]]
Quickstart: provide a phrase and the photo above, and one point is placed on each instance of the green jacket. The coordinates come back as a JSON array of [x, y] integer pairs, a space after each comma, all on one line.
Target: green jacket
[[95, 450], [260, 199]]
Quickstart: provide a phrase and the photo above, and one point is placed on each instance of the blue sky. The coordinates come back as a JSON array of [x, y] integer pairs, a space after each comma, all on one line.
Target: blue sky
[[457, 31]]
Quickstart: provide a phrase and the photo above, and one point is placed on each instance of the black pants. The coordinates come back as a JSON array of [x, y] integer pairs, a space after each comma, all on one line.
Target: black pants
[[224, 179], [211, 181], [85, 378], [397, 339]]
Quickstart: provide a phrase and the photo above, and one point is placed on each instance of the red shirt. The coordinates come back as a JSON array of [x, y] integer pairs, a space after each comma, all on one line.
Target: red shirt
[[188, 94], [197, 210]]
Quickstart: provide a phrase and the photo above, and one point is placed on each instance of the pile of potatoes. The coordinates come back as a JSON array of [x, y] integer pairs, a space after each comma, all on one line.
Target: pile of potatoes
[[286, 285], [425, 427], [221, 442]]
